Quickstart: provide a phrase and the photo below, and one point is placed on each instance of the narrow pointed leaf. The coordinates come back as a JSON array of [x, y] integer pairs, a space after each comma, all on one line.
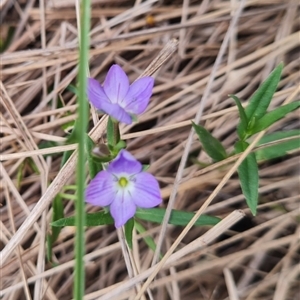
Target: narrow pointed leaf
[[148, 239], [20, 174], [242, 127], [73, 89], [49, 144], [210, 144], [7, 38], [71, 127], [260, 100], [94, 219], [282, 146], [58, 213], [155, 215], [276, 136], [249, 178], [66, 156], [94, 166], [273, 116], [180, 218], [32, 165], [128, 232]]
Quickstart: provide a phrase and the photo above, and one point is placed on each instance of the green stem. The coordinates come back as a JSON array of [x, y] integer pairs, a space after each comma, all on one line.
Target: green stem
[[83, 111], [116, 133], [113, 132]]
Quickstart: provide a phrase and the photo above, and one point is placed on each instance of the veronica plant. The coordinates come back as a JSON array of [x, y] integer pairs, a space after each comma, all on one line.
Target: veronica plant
[[119, 183]]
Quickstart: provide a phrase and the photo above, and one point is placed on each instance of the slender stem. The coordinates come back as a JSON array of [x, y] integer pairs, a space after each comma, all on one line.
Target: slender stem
[[113, 132], [79, 283], [116, 133]]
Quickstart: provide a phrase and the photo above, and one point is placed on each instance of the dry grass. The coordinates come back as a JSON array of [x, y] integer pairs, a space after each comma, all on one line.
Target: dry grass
[[243, 257]]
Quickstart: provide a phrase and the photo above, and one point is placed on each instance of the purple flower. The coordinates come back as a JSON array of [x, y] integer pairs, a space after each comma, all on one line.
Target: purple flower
[[123, 187], [119, 99]]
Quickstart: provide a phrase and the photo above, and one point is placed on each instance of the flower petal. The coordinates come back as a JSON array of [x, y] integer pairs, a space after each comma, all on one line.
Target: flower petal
[[138, 96], [99, 99], [116, 111], [116, 84], [146, 192], [122, 208], [102, 190], [96, 93], [125, 164]]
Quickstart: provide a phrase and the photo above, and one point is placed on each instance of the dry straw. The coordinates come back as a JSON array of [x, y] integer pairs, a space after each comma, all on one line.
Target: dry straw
[[178, 42]]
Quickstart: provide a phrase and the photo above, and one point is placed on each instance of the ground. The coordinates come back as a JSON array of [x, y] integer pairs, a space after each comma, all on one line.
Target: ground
[[207, 50]]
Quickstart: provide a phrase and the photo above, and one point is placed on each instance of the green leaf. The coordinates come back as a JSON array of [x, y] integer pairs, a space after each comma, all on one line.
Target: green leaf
[[20, 173], [248, 175], [145, 168], [68, 196], [128, 232], [47, 144], [32, 165], [57, 213], [242, 127], [277, 150], [68, 129], [148, 239], [273, 116], [94, 166], [210, 144], [73, 89], [120, 145], [281, 147], [66, 157], [4, 43], [155, 215], [275, 136], [178, 217], [100, 153], [49, 247], [100, 160], [260, 100], [94, 219], [72, 128]]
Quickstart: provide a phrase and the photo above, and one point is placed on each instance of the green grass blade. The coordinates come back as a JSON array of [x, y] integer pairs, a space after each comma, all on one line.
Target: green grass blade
[[83, 111]]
